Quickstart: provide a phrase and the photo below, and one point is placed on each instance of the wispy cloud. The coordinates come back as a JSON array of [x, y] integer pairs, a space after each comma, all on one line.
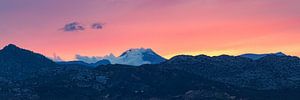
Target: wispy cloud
[[97, 25], [74, 26], [56, 58]]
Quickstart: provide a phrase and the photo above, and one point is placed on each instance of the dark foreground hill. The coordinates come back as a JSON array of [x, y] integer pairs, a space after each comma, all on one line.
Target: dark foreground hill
[[20, 64], [269, 72], [31, 76]]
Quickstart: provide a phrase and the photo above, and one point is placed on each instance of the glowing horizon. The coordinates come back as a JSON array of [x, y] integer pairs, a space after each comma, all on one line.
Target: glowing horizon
[[192, 27]]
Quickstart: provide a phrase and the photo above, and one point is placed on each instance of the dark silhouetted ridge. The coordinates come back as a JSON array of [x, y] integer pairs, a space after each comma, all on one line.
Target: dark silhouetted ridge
[[18, 63]]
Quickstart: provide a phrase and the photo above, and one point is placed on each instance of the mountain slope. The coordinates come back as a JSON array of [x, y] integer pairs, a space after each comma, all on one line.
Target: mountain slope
[[17, 63]]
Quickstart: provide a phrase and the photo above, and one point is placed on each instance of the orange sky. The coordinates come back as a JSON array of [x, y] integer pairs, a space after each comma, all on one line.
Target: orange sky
[[169, 27]]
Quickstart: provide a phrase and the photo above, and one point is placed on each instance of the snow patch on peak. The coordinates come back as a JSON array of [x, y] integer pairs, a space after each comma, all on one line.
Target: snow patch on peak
[[136, 51]]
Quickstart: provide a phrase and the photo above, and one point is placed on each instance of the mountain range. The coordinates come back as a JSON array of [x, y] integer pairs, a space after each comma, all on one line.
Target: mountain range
[[25, 75], [140, 56]]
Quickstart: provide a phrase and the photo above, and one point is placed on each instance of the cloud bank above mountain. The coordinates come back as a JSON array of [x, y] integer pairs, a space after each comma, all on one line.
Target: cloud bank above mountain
[[56, 58], [88, 59]]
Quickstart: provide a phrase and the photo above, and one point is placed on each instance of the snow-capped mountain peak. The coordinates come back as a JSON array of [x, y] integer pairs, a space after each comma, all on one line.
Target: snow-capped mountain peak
[[139, 56]]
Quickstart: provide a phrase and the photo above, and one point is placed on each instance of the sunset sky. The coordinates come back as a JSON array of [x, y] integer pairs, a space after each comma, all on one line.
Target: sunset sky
[[169, 27]]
